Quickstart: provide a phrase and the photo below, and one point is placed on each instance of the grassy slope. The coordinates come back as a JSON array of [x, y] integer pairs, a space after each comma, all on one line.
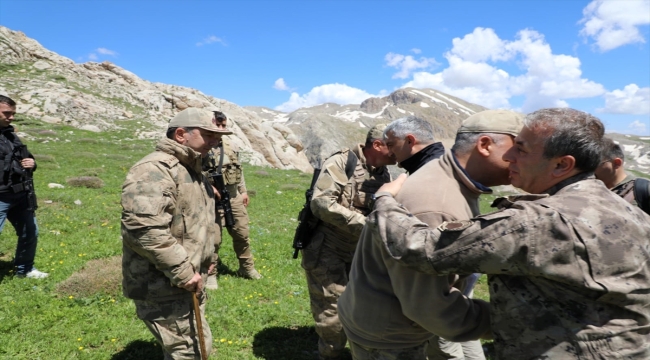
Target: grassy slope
[[267, 319]]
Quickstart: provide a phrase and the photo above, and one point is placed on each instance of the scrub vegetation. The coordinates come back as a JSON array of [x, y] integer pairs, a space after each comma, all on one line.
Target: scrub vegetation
[[78, 312]]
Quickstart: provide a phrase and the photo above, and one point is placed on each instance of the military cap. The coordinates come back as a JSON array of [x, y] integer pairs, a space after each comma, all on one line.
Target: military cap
[[493, 121], [196, 118], [376, 132]]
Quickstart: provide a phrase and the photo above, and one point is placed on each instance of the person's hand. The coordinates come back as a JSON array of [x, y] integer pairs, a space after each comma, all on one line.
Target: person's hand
[[194, 285], [217, 194], [211, 269], [394, 187], [27, 163], [245, 199]]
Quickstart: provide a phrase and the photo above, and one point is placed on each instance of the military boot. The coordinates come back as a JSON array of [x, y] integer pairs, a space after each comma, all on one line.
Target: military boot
[[249, 273], [212, 284]]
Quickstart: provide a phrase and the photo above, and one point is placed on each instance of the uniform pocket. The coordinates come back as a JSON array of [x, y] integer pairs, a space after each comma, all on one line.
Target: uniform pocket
[[311, 254], [232, 174]]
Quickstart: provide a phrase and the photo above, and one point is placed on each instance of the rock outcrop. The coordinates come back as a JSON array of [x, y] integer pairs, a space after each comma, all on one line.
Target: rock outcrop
[[103, 96]]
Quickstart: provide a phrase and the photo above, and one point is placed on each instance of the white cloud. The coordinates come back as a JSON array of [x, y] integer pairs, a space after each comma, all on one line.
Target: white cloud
[[92, 56], [334, 93], [481, 45], [406, 64], [474, 74], [637, 127], [280, 85], [630, 100], [614, 23], [416, 51], [105, 51], [210, 40]]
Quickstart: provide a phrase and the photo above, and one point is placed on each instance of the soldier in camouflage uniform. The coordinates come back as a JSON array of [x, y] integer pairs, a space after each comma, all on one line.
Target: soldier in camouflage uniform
[[168, 231], [567, 265], [612, 173], [233, 176], [341, 204]]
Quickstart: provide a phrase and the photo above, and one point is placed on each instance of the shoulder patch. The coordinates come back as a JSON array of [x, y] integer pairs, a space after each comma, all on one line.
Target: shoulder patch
[[337, 174], [455, 225]]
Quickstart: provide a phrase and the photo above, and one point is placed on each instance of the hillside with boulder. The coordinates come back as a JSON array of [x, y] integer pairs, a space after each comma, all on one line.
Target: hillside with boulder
[[103, 97]]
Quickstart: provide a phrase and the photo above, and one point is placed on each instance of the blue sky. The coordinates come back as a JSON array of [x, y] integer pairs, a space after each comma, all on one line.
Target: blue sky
[[523, 55]]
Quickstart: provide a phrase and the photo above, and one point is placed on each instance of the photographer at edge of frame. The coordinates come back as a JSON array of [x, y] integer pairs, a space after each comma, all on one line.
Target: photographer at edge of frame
[[14, 195]]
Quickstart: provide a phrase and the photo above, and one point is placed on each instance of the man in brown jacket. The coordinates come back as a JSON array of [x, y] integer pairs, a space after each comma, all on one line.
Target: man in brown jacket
[[567, 264], [390, 311]]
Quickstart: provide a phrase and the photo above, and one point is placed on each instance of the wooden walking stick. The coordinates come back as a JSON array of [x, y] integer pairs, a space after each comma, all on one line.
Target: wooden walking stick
[[199, 326]]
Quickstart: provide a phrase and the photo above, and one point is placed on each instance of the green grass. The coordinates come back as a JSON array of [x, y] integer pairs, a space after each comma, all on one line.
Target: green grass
[[55, 319], [269, 318]]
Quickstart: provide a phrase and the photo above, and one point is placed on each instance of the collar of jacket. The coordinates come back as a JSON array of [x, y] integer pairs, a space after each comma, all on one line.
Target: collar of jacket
[[6, 129], [566, 182], [358, 151], [184, 154], [431, 152], [506, 202], [449, 161], [628, 178]]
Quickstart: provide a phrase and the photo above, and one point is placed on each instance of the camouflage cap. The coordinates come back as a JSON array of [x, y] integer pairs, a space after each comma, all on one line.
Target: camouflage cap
[[196, 118], [493, 121], [376, 132]]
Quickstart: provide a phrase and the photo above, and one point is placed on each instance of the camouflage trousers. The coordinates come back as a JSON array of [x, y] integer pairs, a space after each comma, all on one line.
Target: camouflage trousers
[[413, 353], [239, 232], [327, 276], [173, 325]]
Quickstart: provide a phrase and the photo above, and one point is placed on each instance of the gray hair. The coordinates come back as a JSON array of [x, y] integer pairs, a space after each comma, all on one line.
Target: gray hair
[[421, 129], [465, 142], [569, 132]]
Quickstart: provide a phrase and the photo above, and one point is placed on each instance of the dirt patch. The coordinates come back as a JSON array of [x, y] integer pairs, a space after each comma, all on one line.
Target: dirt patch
[[99, 276]]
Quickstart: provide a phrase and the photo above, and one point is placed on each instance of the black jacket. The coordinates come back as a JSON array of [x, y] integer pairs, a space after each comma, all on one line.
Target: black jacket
[[11, 173]]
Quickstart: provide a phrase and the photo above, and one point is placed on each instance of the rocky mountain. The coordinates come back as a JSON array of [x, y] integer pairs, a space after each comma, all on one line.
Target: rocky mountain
[[102, 97], [326, 128]]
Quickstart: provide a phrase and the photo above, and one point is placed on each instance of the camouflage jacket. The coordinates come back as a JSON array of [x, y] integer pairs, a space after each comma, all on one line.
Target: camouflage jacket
[[167, 223], [341, 203], [233, 174], [568, 270]]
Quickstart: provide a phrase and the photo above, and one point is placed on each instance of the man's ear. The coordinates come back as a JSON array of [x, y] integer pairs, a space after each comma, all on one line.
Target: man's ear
[[377, 144], [179, 135], [617, 163], [564, 165], [410, 139], [483, 145]]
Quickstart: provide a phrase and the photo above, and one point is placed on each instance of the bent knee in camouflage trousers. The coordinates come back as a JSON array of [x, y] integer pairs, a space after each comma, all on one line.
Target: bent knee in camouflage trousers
[[173, 325]]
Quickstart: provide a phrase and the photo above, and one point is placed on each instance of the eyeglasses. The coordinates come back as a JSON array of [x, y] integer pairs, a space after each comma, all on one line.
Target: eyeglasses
[[8, 113]]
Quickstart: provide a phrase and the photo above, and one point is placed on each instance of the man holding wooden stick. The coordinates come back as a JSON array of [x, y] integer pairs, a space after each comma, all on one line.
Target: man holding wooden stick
[[168, 235]]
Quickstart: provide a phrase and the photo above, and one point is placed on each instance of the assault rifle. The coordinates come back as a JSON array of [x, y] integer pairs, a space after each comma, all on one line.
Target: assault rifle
[[224, 203], [307, 222], [27, 184]]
